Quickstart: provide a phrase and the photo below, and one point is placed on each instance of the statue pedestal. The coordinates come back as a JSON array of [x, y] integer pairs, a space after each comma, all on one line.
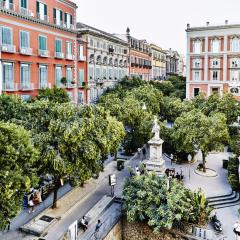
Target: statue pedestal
[[155, 163]]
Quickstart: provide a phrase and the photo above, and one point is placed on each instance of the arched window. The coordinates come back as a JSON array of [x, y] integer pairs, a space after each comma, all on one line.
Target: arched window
[[110, 61], [91, 58], [99, 60], [125, 63], [121, 63], [105, 60], [116, 62]]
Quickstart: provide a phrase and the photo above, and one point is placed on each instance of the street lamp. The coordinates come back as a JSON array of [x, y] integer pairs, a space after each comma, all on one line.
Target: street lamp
[[189, 161], [171, 157]]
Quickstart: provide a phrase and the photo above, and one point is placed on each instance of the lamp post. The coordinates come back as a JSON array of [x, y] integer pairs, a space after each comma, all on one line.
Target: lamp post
[[189, 161], [171, 157]]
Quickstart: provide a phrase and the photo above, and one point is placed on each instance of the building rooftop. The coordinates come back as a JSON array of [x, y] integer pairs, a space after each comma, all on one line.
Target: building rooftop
[[84, 28]]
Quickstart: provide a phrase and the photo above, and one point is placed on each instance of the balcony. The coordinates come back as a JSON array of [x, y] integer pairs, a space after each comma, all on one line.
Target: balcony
[[26, 86], [7, 6], [59, 55], [26, 51], [44, 84], [69, 56], [9, 86], [26, 12], [43, 17], [43, 53], [82, 58], [69, 85], [8, 48]]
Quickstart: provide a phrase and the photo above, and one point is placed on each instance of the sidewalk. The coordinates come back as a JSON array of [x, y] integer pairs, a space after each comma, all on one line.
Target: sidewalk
[[78, 201]]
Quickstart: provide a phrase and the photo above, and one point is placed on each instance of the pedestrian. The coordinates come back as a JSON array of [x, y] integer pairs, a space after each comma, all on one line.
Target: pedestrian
[[84, 223], [31, 204], [139, 152], [99, 224], [137, 170], [8, 224]]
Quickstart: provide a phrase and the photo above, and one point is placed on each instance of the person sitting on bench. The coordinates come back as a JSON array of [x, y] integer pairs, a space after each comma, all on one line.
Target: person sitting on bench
[[83, 223]]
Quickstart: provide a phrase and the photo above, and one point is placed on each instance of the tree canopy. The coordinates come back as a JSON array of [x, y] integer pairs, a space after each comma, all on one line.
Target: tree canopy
[[17, 175], [148, 198]]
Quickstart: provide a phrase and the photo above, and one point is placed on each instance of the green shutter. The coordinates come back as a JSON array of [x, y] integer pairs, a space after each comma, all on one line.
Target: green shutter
[[81, 77], [37, 7], [71, 19], [45, 9], [54, 13], [65, 17], [61, 15]]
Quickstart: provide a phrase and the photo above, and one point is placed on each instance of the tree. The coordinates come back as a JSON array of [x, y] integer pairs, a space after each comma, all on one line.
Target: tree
[[150, 96], [17, 173], [55, 94], [166, 87], [147, 198], [173, 107], [72, 140], [195, 131]]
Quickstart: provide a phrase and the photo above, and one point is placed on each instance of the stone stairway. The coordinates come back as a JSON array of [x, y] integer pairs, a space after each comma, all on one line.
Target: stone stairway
[[224, 201]]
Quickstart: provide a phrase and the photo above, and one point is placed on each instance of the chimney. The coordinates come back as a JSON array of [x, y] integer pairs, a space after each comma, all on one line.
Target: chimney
[[226, 22], [207, 23], [188, 25]]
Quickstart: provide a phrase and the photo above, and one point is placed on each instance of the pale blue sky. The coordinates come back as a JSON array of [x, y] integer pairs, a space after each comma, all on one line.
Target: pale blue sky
[[162, 22]]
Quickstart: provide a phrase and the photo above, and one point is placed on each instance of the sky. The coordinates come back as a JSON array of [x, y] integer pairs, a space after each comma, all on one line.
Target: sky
[[162, 22]]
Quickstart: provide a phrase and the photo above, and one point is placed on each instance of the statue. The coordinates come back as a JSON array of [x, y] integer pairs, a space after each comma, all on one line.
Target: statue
[[156, 129]]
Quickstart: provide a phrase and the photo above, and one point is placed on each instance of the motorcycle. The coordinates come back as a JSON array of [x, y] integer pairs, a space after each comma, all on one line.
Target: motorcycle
[[217, 225]]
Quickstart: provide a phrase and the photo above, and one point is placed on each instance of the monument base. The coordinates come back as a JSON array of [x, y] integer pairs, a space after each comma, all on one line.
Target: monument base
[[156, 166]]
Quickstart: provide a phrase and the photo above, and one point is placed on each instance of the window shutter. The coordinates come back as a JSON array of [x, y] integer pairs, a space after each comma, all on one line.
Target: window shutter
[[61, 15], [37, 7], [71, 19], [11, 1], [65, 17], [45, 9], [54, 13]]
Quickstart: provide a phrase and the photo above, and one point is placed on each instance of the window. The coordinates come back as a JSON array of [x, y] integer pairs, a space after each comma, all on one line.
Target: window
[[25, 97], [43, 76], [215, 75], [235, 63], [70, 95], [69, 48], [215, 63], [197, 47], [196, 75], [215, 90], [91, 43], [196, 91], [7, 36], [58, 46], [196, 63], [235, 75], [81, 77], [110, 73], [23, 3], [58, 75], [215, 46], [58, 16], [68, 20], [24, 39], [91, 73], [235, 45], [42, 43], [80, 51], [104, 73], [9, 4], [25, 76], [42, 11], [69, 74], [98, 73], [80, 97], [8, 76]]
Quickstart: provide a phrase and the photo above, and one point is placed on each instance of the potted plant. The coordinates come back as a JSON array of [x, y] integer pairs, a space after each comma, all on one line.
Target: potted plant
[[73, 82], [64, 80]]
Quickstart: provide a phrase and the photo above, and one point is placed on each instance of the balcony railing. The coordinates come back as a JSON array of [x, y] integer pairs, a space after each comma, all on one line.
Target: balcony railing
[[26, 12], [59, 55], [82, 58], [26, 86], [8, 48], [69, 56], [43, 53], [7, 6], [43, 17], [26, 51], [58, 23], [44, 84], [9, 86]]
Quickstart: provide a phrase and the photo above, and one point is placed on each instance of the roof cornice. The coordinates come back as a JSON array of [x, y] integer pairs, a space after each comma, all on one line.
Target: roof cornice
[[195, 29]]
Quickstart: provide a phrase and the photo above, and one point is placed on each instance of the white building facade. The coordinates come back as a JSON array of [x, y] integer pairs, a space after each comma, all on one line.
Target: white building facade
[[107, 60], [213, 60]]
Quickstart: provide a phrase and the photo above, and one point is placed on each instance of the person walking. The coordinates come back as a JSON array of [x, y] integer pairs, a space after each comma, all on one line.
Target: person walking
[[99, 224]]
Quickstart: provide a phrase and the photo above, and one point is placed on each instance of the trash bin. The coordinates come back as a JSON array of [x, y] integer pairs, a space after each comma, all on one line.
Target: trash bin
[[225, 163], [120, 165]]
